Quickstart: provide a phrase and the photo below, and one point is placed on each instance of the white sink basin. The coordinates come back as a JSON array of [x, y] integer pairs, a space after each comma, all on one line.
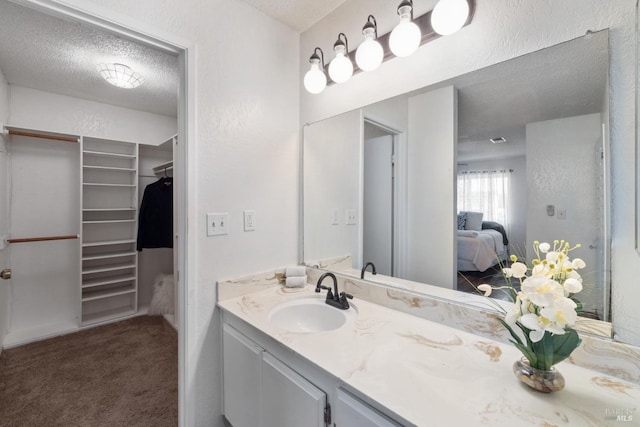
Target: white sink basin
[[310, 315]]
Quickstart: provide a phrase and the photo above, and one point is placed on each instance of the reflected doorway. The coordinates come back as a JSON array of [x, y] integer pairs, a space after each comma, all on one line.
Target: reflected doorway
[[379, 197]]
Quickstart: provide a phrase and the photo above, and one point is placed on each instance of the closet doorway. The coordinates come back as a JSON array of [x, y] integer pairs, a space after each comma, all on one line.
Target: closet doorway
[[100, 127]]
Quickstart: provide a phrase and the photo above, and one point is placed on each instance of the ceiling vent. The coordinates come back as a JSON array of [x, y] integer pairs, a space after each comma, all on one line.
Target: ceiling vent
[[499, 140]]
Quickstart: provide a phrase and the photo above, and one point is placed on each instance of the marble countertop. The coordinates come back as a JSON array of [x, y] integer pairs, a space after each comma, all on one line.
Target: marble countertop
[[432, 374]]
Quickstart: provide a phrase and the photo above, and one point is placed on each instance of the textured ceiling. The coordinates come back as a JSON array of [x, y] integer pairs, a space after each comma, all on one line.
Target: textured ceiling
[[46, 53], [298, 14], [566, 80]]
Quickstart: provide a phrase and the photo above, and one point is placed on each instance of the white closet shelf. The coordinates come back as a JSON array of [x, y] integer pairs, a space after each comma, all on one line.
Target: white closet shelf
[[108, 255], [108, 168], [106, 315], [109, 221], [106, 268], [101, 184], [92, 283], [108, 154], [166, 166], [107, 243], [108, 293]]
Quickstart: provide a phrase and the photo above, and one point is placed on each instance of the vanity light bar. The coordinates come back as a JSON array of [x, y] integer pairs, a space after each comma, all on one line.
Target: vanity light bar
[[428, 34], [500, 140]]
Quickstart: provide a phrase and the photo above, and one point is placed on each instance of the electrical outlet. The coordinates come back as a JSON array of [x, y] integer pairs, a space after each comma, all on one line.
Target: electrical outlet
[[217, 224], [351, 217], [551, 210], [249, 220]]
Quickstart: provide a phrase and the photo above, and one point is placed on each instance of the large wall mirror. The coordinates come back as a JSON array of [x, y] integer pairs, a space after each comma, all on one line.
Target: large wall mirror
[[521, 145]]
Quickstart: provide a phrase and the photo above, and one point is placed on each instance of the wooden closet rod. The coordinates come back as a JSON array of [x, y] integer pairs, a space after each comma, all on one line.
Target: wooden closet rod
[[42, 135], [42, 239]]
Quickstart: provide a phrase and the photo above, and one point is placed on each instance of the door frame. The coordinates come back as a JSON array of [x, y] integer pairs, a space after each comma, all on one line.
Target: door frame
[[107, 20], [399, 192]]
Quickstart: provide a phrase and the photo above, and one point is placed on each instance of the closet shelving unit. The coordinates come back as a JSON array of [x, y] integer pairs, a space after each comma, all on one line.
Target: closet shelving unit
[[109, 210]]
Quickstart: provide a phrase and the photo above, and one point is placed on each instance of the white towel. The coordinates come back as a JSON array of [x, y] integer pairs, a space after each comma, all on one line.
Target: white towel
[[295, 271], [296, 282]]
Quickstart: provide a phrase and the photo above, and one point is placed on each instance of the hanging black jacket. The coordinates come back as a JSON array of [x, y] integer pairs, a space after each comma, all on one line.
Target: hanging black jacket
[[155, 220]]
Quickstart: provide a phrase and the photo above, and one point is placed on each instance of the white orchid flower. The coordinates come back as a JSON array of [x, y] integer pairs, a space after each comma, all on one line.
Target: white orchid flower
[[542, 291], [552, 257], [518, 270], [531, 321], [486, 289], [507, 272], [572, 285], [512, 316], [578, 263], [561, 313], [544, 247], [540, 270]]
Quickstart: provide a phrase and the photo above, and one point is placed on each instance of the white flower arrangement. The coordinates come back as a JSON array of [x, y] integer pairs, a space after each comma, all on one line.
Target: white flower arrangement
[[544, 308]]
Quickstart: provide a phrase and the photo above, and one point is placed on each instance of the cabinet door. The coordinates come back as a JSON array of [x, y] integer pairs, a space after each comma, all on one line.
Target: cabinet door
[[352, 412], [289, 400], [241, 370]]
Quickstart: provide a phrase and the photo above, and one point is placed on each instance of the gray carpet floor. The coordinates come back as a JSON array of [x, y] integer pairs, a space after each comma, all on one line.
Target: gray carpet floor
[[122, 374]]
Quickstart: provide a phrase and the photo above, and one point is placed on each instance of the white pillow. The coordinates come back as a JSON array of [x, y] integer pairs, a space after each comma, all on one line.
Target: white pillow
[[474, 221]]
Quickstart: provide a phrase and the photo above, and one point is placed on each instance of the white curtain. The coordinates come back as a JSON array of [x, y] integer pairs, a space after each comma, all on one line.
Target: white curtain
[[486, 192]]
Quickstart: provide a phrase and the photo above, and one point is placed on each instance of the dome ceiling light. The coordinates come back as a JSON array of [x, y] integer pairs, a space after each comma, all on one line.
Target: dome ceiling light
[[120, 75]]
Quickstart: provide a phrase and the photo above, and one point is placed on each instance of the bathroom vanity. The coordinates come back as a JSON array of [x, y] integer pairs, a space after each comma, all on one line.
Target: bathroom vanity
[[388, 368]]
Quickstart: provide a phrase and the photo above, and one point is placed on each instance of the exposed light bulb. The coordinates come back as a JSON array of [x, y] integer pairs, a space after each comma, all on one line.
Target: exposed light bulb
[[340, 68], [369, 54], [405, 37], [315, 80], [448, 16]]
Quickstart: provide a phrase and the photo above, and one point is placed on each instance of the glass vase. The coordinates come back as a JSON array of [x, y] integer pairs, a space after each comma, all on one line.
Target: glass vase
[[542, 380]]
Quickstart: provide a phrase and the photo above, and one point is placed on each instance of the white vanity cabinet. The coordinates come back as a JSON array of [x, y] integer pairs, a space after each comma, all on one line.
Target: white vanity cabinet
[[261, 391], [350, 411], [267, 385]]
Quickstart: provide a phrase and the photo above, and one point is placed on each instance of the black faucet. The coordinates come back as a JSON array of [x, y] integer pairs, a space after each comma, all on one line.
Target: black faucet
[[333, 298], [373, 269]]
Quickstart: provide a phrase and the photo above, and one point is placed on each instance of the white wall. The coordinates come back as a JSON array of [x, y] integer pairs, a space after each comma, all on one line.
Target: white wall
[[4, 215], [45, 200], [37, 109], [517, 201], [431, 151], [561, 160], [332, 180], [524, 27], [4, 98]]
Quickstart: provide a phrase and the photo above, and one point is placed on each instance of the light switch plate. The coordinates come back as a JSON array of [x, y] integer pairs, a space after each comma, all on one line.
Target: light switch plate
[[562, 213], [249, 220], [217, 224], [351, 217], [334, 217]]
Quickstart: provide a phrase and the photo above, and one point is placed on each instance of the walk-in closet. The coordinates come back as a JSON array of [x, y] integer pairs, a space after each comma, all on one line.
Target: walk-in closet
[[88, 305], [75, 247]]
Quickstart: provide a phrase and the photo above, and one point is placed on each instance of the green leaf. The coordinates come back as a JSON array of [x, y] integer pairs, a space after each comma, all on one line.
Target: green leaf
[[579, 305], [511, 331], [563, 345]]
